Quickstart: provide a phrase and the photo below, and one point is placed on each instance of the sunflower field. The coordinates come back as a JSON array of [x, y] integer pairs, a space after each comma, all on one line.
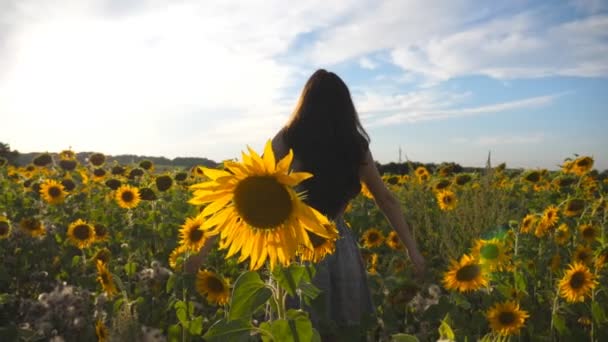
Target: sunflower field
[[100, 251]]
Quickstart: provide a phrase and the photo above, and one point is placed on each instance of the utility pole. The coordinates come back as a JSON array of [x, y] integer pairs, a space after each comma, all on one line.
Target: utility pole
[[399, 154]]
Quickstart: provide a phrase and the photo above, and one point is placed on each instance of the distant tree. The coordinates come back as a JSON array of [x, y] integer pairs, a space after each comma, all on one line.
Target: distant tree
[[8, 154]]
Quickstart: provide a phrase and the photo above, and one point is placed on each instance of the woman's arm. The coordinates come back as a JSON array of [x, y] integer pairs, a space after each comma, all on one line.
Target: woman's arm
[[194, 262], [391, 208]]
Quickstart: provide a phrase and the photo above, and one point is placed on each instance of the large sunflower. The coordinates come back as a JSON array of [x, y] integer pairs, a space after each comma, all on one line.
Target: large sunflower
[[255, 210], [5, 227], [33, 227], [127, 197], [582, 165], [562, 234], [583, 254], [422, 174], [105, 279], [506, 318], [372, 238], [577, 283], [192, 236], [465, 275], [213, 287], [491, 253], [52, 191], [81, 233], [446, 199]]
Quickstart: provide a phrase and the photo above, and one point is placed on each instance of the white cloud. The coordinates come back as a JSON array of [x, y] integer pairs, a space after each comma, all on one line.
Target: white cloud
[[421, 106], [367, 63]]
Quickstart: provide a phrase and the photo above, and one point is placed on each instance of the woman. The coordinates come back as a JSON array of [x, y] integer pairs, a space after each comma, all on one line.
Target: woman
[[328, 141]]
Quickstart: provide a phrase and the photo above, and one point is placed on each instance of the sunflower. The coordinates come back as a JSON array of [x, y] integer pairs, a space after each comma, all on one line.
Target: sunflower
[[33, 227], [101, 232], [462, 179], [601, 258], [371, 261], [550, 217], [491, 253], [528, 223], [97, 159], [146, 165], [213, 287], [562, 234], [442, 184], [176, 256], [532, 176], [583, 254], [101, 331], [127, 196], [372, 238], [393, 241], [102, 255], [404, 179], [113, 183], [99, 174], [52, 191], [574, 207], [422, 174], [322, 246], [43, 160], [564, 181], [465, 275], [255, 210], [68, 184], [105, 279], [365, 191], [506, 318], [582, 165], [192, 236], [447, 200], [163, 183], [588, 232], [577, 283], [81, 233], [67, 155], [68, 165], [391, 179], [5, 227]]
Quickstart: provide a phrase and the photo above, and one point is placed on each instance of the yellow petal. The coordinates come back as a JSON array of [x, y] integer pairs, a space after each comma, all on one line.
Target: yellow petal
[[294, 178], [215, 173], [285, 163], [217, 205], [269, 161]]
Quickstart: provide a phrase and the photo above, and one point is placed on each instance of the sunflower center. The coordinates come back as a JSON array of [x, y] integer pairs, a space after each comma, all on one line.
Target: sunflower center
[[582, 256], [195, 234], [373, 237], [489, 251], [263, 202], [447, 199], [105, 278], [215, 285], [577, 280], [54, 191], [468, 273], [3, 228], [507, 318], [127, 196], [82, 232], [100, 230], [315, 239], [589, 233]]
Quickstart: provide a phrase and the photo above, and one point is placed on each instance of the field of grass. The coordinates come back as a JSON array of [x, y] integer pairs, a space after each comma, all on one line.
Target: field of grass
[[95, 251]]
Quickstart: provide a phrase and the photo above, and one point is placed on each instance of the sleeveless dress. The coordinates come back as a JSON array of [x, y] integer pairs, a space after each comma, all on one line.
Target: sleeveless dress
[[345, 302]]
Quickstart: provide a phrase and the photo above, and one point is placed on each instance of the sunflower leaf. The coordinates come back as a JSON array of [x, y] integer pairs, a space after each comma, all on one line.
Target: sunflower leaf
[[404, 338], [248, 295], [599, 316], [234, 330], [289, 278]]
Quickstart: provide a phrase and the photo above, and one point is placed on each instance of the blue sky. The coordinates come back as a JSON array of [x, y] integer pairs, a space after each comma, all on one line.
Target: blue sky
[[442, 80]]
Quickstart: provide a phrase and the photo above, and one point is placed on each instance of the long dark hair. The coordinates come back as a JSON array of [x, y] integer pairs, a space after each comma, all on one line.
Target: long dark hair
[[328, 139]]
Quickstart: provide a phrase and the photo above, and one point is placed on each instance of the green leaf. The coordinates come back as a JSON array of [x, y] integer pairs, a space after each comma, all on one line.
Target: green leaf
[[174, 333], [171, 282], [404, 338], [309, 290], [76, 260], [599, 316], [130, 269], [222, 330], [520, 282], [196, 326], [300, 325], [181, 313], [445, 331], [559, 324], [289, 278], [248, 295]]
